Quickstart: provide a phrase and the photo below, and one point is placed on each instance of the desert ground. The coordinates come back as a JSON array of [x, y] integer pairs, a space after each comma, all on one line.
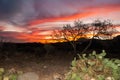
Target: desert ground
[[48, 67]]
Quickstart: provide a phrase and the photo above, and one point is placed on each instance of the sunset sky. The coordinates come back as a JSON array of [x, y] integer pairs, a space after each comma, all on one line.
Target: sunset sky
[[34, 20]]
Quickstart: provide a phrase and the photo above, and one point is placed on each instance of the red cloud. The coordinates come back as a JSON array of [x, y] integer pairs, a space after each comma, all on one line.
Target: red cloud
[[66, 18], [104, 8], [1, 28], [88, 12]]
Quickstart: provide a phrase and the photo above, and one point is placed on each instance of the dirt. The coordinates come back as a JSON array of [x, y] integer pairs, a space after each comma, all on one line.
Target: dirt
[[48, 67]]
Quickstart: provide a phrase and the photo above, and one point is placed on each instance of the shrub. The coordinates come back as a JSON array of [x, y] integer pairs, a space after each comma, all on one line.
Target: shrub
[[94, 67], [11, 74]]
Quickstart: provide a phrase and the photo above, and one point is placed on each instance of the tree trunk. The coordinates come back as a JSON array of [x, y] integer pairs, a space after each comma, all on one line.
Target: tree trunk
[[90, 42], [74, 48]]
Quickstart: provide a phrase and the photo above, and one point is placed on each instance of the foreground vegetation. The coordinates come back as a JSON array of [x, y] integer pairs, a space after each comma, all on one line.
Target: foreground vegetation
[[11, 74], [88, 67], [94, 67]]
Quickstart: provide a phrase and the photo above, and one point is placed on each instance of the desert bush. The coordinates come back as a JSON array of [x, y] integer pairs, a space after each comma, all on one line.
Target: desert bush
[[11, 74], [94, 67]]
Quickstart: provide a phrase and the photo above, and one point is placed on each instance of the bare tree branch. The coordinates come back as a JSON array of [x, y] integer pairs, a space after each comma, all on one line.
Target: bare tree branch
[[97, 29]]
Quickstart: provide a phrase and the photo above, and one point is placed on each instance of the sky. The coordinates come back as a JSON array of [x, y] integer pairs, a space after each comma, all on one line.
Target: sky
[[34, 20]]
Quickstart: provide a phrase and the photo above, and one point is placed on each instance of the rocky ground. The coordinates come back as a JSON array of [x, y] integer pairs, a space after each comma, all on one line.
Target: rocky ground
[[49, 67]]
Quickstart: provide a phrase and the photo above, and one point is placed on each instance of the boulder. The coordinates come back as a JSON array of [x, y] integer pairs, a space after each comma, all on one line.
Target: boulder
[[28, 76]]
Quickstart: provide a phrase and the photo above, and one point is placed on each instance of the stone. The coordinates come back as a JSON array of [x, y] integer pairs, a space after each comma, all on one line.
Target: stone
[[28, 76], [57, 76]]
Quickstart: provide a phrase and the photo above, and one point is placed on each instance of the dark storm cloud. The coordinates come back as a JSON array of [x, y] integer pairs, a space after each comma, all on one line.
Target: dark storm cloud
[[41, 9], [54, 8], [20, 12], [8, 8]]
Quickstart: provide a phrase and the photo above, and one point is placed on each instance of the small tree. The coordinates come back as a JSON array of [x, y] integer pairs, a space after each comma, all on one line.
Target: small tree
[[97, 28], [100, 29], [71, 33]]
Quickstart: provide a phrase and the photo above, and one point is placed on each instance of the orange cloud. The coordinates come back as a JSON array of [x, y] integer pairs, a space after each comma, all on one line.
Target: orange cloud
[[36, 36], [31, 37]]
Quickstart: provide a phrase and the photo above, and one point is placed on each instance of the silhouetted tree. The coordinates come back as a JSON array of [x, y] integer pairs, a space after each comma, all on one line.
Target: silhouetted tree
[[100, 29], [97, 29], [71, 33]]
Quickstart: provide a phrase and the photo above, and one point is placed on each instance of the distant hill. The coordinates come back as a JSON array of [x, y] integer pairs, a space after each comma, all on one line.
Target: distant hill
[[111, 46], [22, 47]]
